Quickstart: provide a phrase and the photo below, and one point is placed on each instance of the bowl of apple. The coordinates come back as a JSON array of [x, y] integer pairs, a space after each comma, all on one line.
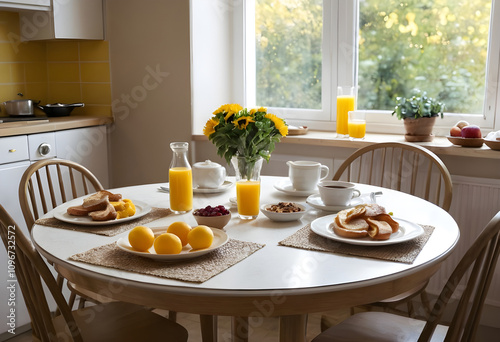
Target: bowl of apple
[[463, 134]]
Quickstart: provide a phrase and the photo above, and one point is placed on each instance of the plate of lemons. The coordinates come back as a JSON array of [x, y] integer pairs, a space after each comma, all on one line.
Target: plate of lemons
[[178, 241]]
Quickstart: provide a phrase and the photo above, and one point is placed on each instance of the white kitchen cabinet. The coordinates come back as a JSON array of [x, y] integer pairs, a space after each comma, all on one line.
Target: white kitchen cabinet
[[87, 146], [10, 176], [68, 19], [39, 5]]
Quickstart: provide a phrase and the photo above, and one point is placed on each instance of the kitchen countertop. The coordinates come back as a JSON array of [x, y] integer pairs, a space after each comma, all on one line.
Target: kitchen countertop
[[51, 124]]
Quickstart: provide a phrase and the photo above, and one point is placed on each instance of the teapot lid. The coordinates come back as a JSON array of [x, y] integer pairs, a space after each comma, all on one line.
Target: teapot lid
[[207, 164]]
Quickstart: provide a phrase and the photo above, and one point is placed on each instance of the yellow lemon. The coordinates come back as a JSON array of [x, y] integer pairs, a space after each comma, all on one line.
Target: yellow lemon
[[141, 238], [168, 243], [181, 229], [200, 237]]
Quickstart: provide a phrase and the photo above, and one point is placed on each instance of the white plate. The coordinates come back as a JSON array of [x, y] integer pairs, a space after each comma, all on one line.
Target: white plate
[[197, 190], [60, 213], [316, 202], [220, 239], [287, 187], [407, 231]]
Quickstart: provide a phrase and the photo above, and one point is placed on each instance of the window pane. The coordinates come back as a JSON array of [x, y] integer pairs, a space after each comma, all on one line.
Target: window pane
[[288, 53], [437, 46]]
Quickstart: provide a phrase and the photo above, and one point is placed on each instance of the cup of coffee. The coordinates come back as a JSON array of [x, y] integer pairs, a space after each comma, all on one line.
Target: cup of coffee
[[337, 193], [208, 174], [305, 175]]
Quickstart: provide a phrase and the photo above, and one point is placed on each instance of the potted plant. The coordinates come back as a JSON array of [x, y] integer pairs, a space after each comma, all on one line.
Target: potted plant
[[419, 114]]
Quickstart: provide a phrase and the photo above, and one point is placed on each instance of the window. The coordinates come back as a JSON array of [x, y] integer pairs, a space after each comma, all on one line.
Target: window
[[302, 49]]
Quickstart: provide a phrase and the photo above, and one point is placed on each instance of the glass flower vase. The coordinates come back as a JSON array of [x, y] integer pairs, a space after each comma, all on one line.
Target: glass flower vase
[[247, 186]]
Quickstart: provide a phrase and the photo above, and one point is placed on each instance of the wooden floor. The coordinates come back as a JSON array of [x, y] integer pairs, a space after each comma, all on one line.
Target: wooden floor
[[267, 332]]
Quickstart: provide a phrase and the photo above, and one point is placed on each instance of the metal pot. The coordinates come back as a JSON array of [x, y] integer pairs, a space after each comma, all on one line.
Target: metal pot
[[59, 109], [20, 107]]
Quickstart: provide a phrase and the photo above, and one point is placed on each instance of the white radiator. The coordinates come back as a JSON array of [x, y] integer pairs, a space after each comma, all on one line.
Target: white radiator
[[475, 202]]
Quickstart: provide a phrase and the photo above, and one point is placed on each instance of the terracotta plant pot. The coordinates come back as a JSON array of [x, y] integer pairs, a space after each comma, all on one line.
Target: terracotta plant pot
[[419, 129]]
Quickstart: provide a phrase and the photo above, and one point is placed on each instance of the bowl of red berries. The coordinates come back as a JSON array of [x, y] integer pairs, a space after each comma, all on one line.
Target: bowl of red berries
[[215, 217]]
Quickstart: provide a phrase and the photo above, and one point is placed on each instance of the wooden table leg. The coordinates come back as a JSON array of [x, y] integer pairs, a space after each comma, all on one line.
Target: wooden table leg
[[208, 328], [293, 328], [239, 329]]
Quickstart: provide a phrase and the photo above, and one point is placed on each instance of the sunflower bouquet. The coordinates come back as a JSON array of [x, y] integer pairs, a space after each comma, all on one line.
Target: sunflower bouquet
[[251, 134]]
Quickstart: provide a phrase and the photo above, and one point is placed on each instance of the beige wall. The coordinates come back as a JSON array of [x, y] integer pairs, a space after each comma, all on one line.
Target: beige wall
[[150, 76]]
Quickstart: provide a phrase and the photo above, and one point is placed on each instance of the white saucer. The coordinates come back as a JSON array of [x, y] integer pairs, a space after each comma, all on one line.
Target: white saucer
[[287, 187], [316, 202], [197, 190]]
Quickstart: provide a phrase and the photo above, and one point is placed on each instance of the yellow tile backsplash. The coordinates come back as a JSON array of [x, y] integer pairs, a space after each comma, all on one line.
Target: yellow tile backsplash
[[66, 71]]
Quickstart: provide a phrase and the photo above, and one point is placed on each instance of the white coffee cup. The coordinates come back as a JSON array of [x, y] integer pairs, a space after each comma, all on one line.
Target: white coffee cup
[[305, 175], [337, 193], [208, 174]]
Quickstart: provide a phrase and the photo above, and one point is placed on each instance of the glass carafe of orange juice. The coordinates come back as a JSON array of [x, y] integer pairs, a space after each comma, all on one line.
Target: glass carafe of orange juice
[[180, 179]]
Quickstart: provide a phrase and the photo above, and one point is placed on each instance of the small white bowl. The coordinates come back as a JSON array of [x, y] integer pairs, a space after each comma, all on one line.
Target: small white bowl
[[213, 221], [283, 216]]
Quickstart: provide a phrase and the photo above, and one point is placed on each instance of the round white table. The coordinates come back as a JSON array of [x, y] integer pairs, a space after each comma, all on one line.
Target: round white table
[[275, 280]]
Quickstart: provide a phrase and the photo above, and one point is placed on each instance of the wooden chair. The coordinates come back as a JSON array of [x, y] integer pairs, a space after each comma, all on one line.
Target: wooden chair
[[405, 167], [115, 321], [477, 266], [50, 182], [400, 166], [45, 185]]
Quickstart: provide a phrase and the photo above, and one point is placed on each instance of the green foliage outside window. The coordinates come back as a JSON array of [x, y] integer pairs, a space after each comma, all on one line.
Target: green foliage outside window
[[438, 46], [288, 53]]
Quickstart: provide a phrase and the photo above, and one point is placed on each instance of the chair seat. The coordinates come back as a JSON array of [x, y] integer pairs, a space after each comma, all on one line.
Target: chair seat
[[378, 327], [120, 321]]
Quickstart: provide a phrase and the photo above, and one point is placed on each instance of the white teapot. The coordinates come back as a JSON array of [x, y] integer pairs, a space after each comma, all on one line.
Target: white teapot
[[208, 174]]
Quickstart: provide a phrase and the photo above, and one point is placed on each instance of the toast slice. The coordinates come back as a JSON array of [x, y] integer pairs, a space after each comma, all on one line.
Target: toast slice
[[104, 215]]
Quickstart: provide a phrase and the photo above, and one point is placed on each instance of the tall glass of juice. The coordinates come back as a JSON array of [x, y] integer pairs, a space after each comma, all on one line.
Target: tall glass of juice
[[247, 186], [346, 102], [180, 179]]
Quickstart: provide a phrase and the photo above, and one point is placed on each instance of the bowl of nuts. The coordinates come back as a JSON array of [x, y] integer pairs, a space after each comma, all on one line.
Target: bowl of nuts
[[283, 211], [215, 217]]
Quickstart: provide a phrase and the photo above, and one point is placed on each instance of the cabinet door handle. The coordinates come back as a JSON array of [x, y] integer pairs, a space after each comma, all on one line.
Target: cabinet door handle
[[12, 150]]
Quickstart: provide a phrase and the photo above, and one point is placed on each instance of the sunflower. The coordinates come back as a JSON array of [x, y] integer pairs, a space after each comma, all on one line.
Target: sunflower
[[261, 109], [242, 122], [229, 109], [278, 123], [210, 126]]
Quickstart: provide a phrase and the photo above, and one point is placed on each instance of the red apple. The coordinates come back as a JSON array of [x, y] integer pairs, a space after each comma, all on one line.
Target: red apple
[[455, 131], [471, 131]]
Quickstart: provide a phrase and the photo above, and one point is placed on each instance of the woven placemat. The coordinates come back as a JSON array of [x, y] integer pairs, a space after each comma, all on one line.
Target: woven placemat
[[405, 252], [195, 270], [109, 230]]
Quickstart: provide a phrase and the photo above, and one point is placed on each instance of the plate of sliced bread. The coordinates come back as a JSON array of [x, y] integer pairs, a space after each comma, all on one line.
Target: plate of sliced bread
[[101, 208]]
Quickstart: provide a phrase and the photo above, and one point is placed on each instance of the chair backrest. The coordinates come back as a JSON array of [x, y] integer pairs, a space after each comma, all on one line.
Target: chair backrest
[[478, 266], [31, 271], [400, 166], [51, 182]]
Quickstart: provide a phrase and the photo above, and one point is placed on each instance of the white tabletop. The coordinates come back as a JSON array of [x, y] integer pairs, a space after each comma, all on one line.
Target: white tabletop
[[273, 268]]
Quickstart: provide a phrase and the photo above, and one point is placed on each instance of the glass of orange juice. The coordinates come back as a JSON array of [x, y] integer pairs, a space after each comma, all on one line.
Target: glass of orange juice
[[357, 124], [247, 186], [180, 179], [346, 102]]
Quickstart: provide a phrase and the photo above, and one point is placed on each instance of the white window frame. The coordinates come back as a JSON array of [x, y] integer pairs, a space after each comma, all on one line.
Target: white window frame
[[341, 26]]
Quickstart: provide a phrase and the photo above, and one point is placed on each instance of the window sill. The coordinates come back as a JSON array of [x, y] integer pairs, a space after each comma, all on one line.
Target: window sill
[[440, 145]]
